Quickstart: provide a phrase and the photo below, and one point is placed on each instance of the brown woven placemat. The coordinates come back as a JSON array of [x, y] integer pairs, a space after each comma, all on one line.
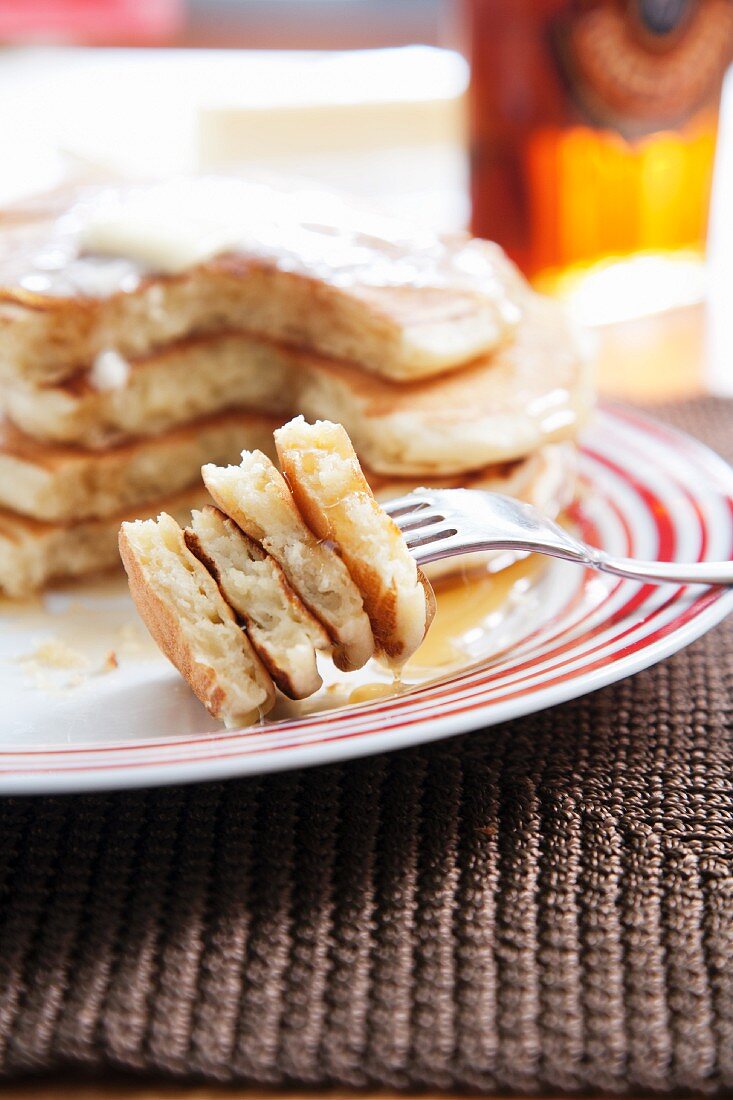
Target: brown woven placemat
[[546, 904]]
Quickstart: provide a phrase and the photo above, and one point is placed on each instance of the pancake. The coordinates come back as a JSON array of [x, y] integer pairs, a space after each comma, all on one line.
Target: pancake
[[194, 377], [193, 625], [334, 498], [282, 631], [535, 391], [255, 495], [61, 483], [504, 407], [33, 554], [134, 267]]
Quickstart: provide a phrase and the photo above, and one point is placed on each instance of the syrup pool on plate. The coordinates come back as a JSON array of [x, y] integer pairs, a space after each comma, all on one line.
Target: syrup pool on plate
[[79, 650], [478, 615]]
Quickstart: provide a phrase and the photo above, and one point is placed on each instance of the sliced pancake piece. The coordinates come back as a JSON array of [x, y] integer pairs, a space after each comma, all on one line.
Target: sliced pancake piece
[[329, 487], [281, 629], [534, 391], [182, 607], [255, 495], [138, 266], [33, 553], [59, 484]]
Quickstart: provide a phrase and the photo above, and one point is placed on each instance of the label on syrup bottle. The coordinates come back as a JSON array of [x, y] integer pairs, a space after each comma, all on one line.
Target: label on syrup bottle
[[643, 65]]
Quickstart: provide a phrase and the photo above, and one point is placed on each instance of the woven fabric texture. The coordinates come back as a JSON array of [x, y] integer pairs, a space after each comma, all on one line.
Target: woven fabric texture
[[543, 905]]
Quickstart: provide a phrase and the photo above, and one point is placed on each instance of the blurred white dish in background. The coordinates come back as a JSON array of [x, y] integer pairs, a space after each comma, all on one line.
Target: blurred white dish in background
[[378, 123], [385, 124]]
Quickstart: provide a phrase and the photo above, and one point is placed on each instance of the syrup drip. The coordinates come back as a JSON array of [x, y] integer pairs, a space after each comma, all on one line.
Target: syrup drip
[[471, 609]]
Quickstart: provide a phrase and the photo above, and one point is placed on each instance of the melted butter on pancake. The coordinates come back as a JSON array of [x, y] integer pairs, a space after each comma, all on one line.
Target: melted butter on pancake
[[109, 239]]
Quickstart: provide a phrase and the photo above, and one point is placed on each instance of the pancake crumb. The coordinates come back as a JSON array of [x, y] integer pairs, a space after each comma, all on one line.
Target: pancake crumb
[[54, 653], [110, 662]]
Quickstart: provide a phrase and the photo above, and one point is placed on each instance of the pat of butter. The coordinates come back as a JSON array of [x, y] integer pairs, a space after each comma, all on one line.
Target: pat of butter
[[158, 241], [171, 226], [109, 371]]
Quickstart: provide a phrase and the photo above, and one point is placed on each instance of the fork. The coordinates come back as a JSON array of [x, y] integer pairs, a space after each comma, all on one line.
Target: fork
[[440, 523]]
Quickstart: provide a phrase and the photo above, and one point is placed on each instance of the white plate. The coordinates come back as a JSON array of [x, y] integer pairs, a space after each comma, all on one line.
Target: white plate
[[534, 636]]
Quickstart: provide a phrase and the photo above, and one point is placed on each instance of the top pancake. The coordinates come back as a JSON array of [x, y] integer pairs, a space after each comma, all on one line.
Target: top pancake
[[135, 267]]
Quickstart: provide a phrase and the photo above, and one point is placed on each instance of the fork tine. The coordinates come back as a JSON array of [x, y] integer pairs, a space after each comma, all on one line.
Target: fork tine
[[422, 517], [404, 505], [425, 537]]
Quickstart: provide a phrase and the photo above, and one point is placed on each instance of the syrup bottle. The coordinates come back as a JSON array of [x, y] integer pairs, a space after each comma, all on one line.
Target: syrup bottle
[[593, 125]]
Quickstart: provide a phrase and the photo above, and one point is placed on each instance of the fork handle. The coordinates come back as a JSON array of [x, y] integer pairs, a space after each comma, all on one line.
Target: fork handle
[[660, 572]]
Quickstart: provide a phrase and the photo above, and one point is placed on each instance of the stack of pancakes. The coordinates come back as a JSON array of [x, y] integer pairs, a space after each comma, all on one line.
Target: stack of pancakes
[[145, 330]]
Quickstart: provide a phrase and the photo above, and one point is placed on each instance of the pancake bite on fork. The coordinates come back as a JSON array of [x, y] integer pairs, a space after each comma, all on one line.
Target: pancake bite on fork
[[329, 487], [256, 496], [241, 600], [194, 626], [281, 629]]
